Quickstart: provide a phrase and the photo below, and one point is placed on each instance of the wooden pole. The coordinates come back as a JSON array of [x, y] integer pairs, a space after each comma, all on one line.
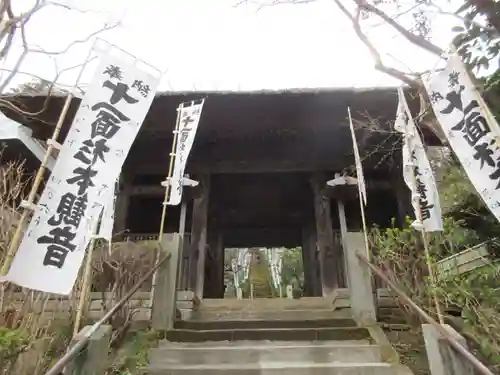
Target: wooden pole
[[18, 234], [361, 203]]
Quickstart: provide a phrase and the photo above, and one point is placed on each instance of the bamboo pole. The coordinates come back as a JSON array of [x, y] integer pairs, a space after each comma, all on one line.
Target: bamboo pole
[[361, 203], [169, 174], [18, 234], [87, 278], [167, 193]]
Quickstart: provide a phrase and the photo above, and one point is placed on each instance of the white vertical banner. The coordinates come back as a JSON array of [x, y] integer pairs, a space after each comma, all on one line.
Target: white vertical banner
[[417, 171], [244, 258], [470, 128], [189, 119], [357, 159], [90, 160], [235, 267], [108, 215], [274, 256]]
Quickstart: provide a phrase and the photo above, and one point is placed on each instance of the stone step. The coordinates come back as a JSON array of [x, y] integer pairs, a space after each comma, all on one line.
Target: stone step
[[306, 314], [260, 304], [274, 334], [260, 343], [260, 324], [329, 351], [276, 368]]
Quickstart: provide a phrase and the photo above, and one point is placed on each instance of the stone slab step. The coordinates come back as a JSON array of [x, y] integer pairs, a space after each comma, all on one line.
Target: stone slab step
[[251, 353], [260, 343], [256, 324], [296, 314], [275, 334], [276, 368], [260, 304]]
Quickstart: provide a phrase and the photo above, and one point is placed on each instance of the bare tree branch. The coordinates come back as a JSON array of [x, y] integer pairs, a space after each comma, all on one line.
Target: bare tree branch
[[10, 25], [485, 27], [79, 41], [273, 2], [9, 78], [415, 39], [379, 65]]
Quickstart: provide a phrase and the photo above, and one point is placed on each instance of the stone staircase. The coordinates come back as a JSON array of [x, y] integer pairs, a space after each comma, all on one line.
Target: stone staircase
[[275, 337]]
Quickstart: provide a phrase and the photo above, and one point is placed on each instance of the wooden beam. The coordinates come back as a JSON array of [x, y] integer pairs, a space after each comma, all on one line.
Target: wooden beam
[[147, 190], [262, 237]]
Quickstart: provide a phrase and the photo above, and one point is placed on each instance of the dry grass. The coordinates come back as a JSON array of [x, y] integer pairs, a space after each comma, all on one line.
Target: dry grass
[[35, 327]]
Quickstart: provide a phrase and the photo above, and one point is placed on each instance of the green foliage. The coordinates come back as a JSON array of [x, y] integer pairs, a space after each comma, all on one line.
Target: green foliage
[[12, 343], [477, 295], [292, 272], [455, 235], [400, 253], [133, 354], [461, 203]]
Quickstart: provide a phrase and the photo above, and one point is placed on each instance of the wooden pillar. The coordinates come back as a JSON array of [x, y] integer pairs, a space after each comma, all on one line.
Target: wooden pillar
[[122, 204], [214, 266], [312, 279], [343, 279], [199, 235], [329, 254]]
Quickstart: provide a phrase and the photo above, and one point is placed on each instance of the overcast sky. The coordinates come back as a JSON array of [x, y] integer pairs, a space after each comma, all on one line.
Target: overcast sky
[[213, 45]]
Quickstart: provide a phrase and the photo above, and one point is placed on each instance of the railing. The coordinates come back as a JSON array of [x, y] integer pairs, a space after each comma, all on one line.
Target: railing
[[138, 237], [80, 345], [459, 348]]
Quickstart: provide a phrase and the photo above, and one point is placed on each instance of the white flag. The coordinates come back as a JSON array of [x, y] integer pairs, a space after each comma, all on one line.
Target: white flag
[[90, 160], [417, 171], [470, 128], [357, 159], [234, 266], [189, 119], [108, 215]]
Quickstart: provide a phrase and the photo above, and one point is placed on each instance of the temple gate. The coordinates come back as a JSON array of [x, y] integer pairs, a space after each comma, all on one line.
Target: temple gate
[[262, 160]]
